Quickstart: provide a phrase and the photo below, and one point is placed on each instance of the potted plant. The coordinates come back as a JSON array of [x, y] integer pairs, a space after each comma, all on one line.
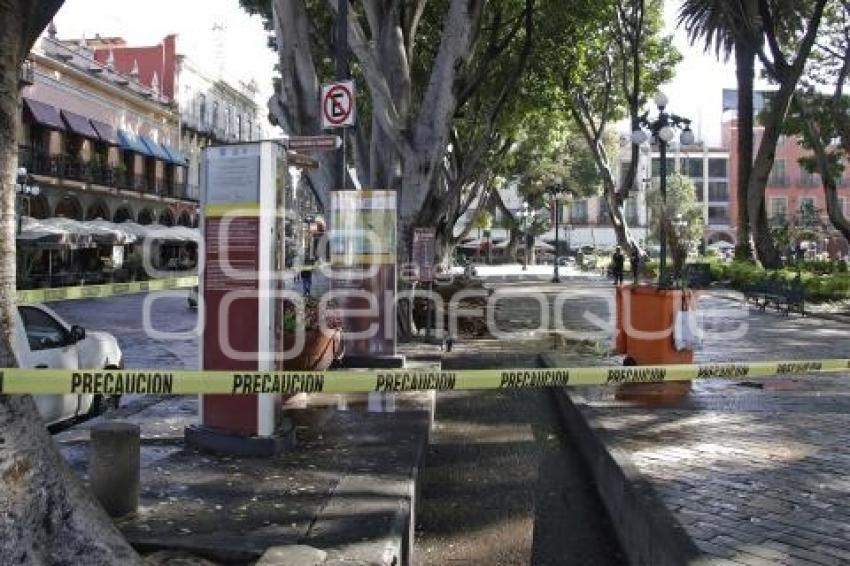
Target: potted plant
[[321, 327], [646, 314]]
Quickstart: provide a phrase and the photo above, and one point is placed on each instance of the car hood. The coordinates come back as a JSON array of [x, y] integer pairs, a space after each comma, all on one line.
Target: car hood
[[99, 349]]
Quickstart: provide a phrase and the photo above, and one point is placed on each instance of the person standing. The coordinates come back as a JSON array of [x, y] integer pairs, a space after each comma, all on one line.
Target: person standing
[[635, 264], [618, 263], [307, 276]]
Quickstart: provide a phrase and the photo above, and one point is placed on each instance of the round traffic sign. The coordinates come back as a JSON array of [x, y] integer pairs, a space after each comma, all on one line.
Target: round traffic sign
[[337, 105]]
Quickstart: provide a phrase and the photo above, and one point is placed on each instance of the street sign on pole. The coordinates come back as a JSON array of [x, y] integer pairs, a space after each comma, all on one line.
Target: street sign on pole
[[313, 143], [423, 253], [338, 110]]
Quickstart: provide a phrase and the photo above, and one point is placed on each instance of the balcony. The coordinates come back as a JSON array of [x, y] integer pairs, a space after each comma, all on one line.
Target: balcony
[[809, 181], [70, 168], [26, 74], [777, 181]]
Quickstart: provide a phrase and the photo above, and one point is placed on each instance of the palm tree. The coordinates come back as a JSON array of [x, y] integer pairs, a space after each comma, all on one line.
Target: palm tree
[[731, 26]]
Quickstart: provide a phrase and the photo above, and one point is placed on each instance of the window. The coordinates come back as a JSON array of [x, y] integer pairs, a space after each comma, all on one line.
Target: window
[[718, 215], [717, 168], [718, 191], [250, 131], [578, 212], [202, 98], [778, 208], [632, 212], [215, 114], [604, 217], [228, 123], [656, 166], [43, 331], [777, 174], [239, 127], [808, 179], [699, 190], [807, 203], [694, 168]]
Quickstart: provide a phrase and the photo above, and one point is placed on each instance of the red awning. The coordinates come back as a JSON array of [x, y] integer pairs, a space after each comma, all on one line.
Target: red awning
[[44, 114], [79, 125], [106, 133]]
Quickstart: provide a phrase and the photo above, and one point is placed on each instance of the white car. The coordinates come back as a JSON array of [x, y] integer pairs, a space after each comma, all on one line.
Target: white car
[[44, 340]]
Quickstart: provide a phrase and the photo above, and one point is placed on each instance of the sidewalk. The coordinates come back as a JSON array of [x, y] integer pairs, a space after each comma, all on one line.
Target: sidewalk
[[346, 489], [747, 472]]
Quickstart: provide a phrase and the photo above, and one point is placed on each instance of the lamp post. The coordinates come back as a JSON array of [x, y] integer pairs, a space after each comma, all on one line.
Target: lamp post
[[662, 130], [524, 214], [556, 192], [24, 189]]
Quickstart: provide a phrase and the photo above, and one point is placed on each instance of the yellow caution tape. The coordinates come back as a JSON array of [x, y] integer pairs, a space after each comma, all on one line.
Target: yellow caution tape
[[97, 291], [192, 382]]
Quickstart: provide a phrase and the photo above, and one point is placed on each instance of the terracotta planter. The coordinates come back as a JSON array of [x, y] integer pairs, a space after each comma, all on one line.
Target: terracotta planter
[[645, 319], [318, 353]]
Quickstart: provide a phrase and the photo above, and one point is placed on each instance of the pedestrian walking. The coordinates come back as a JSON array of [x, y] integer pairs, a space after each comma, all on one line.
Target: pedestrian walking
[[307, 276], [617, 265]]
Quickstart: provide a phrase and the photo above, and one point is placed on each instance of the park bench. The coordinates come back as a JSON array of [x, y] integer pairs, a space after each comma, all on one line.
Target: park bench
[[783, 296]]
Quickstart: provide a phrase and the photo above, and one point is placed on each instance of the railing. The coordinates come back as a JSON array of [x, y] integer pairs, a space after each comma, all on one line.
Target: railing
[[38, 162], [26, 73], [777, 181], [809, 181], [139, 183]]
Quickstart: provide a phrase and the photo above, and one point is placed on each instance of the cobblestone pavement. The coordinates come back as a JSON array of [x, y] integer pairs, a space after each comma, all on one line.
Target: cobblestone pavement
[[502, 485], [755, 470], [584, 311]]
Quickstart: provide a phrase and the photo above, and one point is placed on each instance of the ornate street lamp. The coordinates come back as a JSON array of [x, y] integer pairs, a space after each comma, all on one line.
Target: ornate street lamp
[[662, 130], [524, 214], [25, 188], [556, 192]]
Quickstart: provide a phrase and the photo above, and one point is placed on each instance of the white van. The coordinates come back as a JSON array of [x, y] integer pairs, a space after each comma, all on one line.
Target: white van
[[44, 340]]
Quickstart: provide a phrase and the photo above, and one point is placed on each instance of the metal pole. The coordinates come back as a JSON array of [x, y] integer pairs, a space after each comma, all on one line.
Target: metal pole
[[662, 231], [342, 73], [557, 278]]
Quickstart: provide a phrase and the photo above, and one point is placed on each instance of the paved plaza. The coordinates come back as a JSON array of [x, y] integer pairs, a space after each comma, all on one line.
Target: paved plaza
[[754, 470]]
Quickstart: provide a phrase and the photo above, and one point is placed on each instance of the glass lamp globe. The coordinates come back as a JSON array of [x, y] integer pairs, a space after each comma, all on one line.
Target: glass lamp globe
[[661, 100], [639, 137], [687, 137], [667, 134]]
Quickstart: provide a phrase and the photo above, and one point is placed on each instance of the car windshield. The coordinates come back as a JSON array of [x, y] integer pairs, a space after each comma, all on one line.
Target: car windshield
[[43, 331]]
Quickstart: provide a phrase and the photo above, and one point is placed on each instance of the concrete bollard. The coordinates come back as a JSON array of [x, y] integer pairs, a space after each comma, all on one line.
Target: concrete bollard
[[114, 467]]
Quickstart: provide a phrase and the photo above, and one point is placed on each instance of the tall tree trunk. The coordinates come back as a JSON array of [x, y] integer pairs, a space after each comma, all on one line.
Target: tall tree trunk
[[745, 71], [787, 75], [46, 515], [830, 186]]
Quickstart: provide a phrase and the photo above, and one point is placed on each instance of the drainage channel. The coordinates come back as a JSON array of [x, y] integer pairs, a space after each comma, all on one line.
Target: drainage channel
[[502, 483]]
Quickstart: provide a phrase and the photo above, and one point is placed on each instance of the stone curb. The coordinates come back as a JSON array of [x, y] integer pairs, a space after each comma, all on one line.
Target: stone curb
[[646, 529]]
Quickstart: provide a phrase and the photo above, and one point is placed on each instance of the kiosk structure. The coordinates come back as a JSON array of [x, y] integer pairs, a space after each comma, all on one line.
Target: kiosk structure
[[241, 290]]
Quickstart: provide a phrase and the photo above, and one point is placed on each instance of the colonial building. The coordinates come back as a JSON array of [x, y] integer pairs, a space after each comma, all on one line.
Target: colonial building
[[99, 142], [790, 188], [211, 109]]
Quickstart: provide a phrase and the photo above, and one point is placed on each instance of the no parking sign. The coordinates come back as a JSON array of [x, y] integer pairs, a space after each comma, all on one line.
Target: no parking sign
[[338, 108]]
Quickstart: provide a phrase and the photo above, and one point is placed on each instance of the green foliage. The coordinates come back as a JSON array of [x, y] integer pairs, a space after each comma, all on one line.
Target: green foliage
[[681, 217], [820, 282]]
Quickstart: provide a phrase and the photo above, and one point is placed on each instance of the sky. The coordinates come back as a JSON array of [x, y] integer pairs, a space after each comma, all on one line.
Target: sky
[[241, 49]]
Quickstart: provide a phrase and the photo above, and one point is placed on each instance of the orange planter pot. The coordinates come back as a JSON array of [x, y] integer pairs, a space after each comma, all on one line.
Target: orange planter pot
[[645, 320], [317, 354], [645, 317]]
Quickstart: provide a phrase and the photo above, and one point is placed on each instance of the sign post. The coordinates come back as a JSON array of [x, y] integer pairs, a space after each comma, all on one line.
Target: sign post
[[363, 259], [242, 225], [423, 257]]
